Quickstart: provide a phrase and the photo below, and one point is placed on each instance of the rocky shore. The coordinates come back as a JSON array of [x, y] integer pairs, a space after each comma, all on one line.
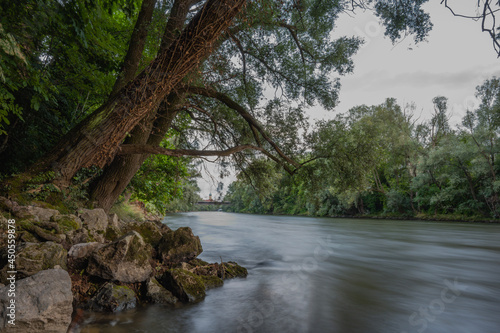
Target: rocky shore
[[90, 261]]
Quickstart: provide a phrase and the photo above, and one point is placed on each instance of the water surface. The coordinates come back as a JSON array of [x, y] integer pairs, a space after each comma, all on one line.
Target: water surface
[[335, 275]]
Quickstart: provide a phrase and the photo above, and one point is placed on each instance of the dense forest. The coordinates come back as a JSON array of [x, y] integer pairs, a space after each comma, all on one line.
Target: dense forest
[[380, 160], [103, 101]]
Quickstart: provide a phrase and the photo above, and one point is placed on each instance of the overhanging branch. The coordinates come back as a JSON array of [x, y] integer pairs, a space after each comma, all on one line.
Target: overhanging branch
[[252, 122], [147, 149]]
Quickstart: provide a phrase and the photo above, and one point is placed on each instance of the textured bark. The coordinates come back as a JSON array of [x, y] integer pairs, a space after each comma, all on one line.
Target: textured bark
[[118, 174], [96, 139], [136, 46]]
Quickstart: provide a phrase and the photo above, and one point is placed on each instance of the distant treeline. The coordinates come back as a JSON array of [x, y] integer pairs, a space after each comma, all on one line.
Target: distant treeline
[[379, 160]]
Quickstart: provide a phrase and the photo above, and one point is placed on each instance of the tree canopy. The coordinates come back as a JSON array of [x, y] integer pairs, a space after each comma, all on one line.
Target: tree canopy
[[101, 83]]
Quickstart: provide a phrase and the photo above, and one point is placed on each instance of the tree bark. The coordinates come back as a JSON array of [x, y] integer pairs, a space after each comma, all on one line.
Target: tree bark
[[95, 140], [136, 46], [115, 178], [117, 175]]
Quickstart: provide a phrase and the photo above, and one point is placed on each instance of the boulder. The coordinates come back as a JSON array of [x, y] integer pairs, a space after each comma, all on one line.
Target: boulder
[[94, 219], [32, 258], [113, 298], [126, 260], [83, 250], [149, 231], [179, 246], [43, 303], [185, 285], [35, 213], [67, 222], [158, 294], [115, 222]]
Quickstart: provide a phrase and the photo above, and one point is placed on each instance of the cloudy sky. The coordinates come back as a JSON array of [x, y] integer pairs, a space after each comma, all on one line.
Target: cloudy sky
[[456, 58]]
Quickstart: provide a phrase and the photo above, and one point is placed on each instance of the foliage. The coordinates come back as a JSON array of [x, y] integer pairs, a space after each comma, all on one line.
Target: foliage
[[377, 161]]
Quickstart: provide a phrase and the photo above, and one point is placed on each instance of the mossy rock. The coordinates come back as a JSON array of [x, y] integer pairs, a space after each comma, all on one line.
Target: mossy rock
[[233, 270], [186, 286], [34, 257], [211, 281], [113, 298], [179, 246], [126, 260], [112, 233], [148, 230], [157, 294], [67, 222]]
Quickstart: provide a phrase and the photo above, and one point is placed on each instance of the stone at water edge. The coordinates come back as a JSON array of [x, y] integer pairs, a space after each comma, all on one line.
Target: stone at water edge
[[113, 298], [43, 303], [185, 285], [158, 294], [126, 260], [179, 246]]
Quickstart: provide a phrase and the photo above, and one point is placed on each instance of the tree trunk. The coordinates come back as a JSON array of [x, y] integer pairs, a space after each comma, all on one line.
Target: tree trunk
[[117, 175], [95, 140], [136, 46]]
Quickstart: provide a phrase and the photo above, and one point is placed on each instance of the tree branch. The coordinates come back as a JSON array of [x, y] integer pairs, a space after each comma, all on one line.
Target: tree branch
[[208, 92], [146, 149]]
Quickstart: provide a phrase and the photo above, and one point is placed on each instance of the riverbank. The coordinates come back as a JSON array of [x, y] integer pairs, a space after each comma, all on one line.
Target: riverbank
[[392, 216], [88, 260]]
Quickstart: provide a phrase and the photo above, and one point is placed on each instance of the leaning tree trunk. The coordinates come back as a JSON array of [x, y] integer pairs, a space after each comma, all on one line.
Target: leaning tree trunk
[[117, 175], [115, 178], [96, 140]]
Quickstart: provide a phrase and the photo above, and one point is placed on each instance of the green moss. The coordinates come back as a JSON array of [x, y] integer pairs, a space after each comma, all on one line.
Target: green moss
[[211, 281], [137, 251], [67, 223], [148, 231], [232, 270], [112, 234]]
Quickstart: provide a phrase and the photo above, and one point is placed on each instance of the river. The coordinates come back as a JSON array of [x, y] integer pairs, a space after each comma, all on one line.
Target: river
[[335, 275]]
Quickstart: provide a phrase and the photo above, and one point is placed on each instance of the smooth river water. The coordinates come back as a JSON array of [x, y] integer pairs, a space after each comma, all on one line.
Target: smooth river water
[[335, 275]]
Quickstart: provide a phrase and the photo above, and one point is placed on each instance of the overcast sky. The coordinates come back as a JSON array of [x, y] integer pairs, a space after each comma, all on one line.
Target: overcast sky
[[457, 58]]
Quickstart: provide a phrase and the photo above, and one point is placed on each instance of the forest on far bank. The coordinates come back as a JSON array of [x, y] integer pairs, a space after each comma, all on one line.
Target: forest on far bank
[[381, 161]]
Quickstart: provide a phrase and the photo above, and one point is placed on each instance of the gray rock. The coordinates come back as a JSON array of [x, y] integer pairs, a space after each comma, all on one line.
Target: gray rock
[[149, 231], [78, 236], [179, 246], [67, 222], [158, 294], [113, 298], [83, 250], [35, 213], [32, 258], [185, 285], [94, 219], [115, 222], [43, 303], [126, 260]]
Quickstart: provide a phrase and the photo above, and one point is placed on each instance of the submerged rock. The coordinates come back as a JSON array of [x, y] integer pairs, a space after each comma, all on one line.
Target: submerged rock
[[186, 286], [126, 260], [179, 246], [43, 303], [113, 298]]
